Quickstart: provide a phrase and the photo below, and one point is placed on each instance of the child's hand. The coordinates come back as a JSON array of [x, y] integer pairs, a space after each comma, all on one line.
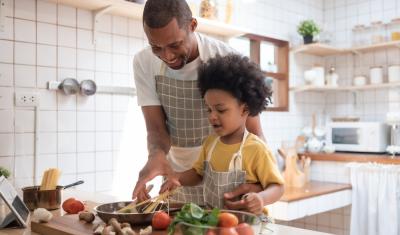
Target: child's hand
[[171, 183], [254, 203]]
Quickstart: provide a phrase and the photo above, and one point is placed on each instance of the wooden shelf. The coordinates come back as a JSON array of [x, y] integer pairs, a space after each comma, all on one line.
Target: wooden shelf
[[353, 157], [135, 11], [279, 76], [320, 49], [344, 88]]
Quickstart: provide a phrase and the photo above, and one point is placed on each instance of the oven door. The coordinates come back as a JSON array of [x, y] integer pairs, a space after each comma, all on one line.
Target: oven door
[[346, 138]]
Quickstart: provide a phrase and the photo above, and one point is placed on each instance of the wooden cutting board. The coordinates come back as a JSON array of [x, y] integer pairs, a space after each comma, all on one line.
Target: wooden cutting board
[[70, 225]]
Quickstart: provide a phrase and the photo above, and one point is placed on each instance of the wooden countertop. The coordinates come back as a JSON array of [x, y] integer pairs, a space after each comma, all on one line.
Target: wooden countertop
[[354, 157], [312, 189]]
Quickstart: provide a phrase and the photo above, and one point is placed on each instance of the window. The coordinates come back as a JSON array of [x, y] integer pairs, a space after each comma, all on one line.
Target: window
[[273, 57]]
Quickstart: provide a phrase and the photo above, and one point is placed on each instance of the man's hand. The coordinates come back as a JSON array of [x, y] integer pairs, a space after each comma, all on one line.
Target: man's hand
[[156, 165], [238, 192], [171, 183], [253, 203]]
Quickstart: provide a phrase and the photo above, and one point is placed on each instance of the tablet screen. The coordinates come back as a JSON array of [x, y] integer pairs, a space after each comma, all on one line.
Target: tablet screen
[[18, 209]]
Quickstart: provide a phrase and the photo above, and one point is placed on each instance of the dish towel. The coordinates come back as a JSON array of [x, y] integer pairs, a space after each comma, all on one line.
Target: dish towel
[[375, 199]]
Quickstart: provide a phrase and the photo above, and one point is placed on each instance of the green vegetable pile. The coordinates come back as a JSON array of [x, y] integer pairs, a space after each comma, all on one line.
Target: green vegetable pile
[[193, 214]]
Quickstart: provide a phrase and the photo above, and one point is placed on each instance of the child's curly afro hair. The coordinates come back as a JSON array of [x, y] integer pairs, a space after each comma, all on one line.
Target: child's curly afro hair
[[240, 77]]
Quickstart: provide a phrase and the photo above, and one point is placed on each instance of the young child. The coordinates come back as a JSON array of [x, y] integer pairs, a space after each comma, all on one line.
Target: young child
[[233, 88]]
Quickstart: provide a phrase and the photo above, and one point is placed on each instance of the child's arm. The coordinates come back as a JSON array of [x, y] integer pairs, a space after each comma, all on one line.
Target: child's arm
[[255, 202], [186, 178]]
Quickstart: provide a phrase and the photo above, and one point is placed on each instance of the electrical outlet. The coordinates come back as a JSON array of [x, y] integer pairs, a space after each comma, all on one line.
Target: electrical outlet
[[26, 99]]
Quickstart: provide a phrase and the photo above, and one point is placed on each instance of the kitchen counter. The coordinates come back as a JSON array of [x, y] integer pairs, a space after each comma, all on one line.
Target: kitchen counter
[[354, 157], [101, 198]]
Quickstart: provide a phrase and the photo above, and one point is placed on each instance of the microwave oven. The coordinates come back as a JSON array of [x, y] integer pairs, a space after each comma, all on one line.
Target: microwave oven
[[370, 137]]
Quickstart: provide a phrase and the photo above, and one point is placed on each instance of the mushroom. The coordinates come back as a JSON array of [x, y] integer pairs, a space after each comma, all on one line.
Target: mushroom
[[88, 217], [116, 225], [109, 230], [42, 215]]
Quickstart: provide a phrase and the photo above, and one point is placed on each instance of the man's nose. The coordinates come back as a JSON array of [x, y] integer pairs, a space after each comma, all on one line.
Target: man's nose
[[168, 54]]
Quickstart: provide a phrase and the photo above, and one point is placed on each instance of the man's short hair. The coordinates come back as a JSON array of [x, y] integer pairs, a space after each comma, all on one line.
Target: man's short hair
[[158, 13]]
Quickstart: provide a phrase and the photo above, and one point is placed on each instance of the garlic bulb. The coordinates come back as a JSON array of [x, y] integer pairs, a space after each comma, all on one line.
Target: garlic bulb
[[42, 215]]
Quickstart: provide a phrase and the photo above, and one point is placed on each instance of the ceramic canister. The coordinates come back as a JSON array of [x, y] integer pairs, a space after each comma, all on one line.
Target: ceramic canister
[[360, 81], [394, 73], [376, 75]]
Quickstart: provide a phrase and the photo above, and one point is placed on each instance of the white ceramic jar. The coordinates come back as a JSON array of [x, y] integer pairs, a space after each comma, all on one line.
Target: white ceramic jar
[[376, 75], [319, 79], [360, 81], [394, 73]]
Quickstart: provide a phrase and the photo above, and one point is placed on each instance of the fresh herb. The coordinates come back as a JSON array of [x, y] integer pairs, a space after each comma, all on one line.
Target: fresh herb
[[193, 214], [4, 172]]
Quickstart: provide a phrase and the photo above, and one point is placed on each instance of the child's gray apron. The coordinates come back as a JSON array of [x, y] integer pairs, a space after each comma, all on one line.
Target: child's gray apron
[[187, 123]]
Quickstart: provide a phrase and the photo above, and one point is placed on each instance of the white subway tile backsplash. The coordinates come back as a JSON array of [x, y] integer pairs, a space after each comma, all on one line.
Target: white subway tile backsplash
[[103, 102], [8, 29], [86, 162], [104, 23], [135, 45], [47, 33], [104, 121], [86, 141], [85, 19], [46, 55], [103, 42], [85, 39], [67, 179], [7, 55], [121, 63], [104, 161], [44, 162], [7, 143], [25, 53], [66, 57], [25, 9], [24, 167], [44, 75], [48, 100], [6, 75], [66, 36], [47, 121], [118, 120], [135, 28], [66, 121], [120, 44], [25, 30], [103, 141], [106, 182], [25, 76], [48, 143], [66, 142], [7, 121], [85, 59], [90, 181], [67, 163], [66, 15], [24, 121], [24, 144], [86, 121], [120, 25], [46, 11], [6, 98], [86, 103], [103, 61], [65, 102]]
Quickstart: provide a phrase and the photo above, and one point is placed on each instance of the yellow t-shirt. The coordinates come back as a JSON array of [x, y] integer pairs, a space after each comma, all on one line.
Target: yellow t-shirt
[[257, 160]]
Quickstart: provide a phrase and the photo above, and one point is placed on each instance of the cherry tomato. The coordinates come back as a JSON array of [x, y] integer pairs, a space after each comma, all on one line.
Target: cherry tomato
[[226, 219], [244, 229], [211, 232], [227, 231], [160, 220]]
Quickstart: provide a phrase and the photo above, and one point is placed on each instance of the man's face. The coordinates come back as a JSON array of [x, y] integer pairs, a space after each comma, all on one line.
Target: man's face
[[171, 44]]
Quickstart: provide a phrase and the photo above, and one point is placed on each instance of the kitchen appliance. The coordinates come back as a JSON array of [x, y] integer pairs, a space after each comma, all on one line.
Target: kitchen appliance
[[51, 199], [358, 136]]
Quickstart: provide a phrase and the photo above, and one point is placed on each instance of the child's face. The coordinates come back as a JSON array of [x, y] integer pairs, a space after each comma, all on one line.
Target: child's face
[[225, 113]]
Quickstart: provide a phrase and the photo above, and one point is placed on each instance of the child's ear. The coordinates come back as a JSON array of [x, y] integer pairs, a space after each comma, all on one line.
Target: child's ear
[[245, 109]]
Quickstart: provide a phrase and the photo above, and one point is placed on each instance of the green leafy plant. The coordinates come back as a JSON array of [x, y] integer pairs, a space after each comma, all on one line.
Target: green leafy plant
[[193, 214], [5, 172], [308, 28]]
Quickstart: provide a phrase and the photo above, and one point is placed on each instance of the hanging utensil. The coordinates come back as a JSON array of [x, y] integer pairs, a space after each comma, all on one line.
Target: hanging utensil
[[88, 87], [69, 86]]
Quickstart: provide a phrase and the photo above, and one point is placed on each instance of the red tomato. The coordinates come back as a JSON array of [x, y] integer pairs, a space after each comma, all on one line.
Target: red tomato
[[244, 229], [227, 231], [160, 220], [73, 206], [226, 219], [211, 232]]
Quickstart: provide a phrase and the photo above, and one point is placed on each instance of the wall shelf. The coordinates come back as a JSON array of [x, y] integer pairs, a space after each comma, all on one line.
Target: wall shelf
[[320, 49], [135, 10], [344, 88]]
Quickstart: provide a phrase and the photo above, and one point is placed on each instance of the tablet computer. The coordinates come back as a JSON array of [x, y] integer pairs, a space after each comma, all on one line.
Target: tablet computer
[[17, 214]]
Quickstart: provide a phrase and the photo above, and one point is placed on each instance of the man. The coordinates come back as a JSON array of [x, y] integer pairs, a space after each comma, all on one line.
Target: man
[[165, 77]]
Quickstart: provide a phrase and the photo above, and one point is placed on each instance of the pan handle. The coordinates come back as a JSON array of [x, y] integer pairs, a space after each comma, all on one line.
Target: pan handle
[[73, 184]]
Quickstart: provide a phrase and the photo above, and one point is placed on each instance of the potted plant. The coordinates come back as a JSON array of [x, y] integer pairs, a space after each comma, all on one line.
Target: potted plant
[[308, 29], [5, 172]]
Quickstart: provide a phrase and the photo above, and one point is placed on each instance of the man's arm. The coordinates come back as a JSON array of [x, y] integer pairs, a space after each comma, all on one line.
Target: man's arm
[[253, 125], [158, 145]]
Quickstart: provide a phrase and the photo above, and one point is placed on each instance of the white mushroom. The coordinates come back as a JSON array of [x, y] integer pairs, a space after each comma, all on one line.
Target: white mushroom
[[146, 231]]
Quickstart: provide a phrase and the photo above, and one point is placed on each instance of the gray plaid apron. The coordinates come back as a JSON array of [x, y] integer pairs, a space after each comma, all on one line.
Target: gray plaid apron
[[187, 124], [215, 183]]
